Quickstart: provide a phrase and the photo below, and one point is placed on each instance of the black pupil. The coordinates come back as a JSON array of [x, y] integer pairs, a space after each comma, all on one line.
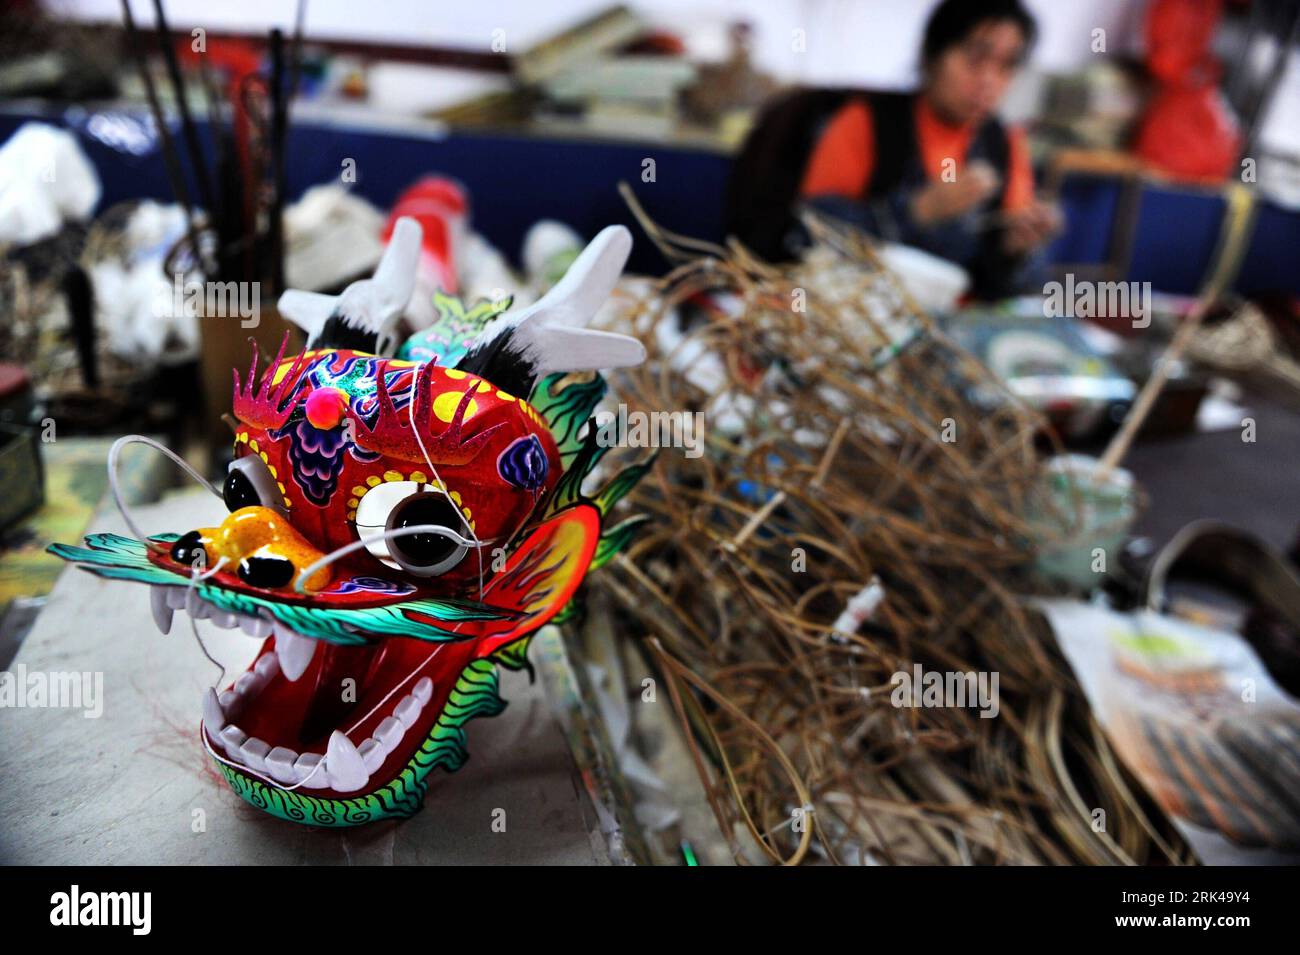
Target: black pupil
[[188, 548], [424, 550], [239, 492], [266, 572]]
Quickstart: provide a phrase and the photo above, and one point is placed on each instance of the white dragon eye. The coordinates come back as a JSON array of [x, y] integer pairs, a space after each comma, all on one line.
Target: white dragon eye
[[398, 504], [249, 484]]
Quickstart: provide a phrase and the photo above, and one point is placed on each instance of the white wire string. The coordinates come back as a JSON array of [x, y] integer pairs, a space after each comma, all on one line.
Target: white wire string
[[385, 535], [114, 485], [249, 771], [114, 453], [347, 732], [299, 584], [193, 588], [221, 561], [471, 388]]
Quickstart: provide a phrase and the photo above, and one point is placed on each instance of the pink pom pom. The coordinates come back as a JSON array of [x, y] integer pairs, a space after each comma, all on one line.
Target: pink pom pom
[[325, 408]]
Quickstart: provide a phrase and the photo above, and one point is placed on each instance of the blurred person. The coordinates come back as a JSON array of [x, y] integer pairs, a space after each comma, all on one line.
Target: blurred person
[[935, 168]]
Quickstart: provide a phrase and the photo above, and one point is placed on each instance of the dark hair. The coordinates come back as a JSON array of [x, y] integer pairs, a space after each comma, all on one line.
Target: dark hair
[[952, 21]]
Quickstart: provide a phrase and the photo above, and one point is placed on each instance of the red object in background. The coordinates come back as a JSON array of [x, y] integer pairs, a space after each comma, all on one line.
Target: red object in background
[[440, 206], [1190, 133], [657, 43], [1179, 34], [1188, 130]]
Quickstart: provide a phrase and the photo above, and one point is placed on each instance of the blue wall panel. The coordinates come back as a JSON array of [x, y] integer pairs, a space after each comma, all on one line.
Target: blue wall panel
[[512, 180]]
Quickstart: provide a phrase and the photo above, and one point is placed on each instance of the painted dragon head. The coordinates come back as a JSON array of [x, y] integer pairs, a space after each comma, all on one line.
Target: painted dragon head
[[399, 526]]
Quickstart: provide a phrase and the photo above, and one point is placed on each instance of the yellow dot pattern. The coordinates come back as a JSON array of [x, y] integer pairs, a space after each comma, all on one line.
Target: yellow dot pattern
[[445, 405], [282, 369], [242, 437]]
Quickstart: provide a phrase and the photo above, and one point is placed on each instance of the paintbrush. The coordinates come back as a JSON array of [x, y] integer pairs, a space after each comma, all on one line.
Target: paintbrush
[[188, 130]]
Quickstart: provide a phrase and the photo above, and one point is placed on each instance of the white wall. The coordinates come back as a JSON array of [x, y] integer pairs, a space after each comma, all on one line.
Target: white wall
[[860, 42], [869, 43]]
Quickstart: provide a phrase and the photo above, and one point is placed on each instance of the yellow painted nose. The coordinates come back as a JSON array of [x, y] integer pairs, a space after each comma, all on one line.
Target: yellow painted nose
[[264, 549]]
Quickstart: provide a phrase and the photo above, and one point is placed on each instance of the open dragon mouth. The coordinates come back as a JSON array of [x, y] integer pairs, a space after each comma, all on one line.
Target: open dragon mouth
[[336, 702], [316, 715]]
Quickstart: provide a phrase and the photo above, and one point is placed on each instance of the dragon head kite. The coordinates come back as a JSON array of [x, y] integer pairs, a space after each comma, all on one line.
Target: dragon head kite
[[399, 526]]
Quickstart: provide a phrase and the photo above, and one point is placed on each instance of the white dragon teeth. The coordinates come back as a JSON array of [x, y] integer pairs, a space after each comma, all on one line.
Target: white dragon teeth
[[161, 607], [279, 763], [214, 717], [165, 599], [196, 606], [347, 770], [294, 651], [372, 754], [407, 711], [225, 619], [389, 733], [232, 737], [423, 691], [309, 773], [248, 684], [253, 753], [266, 666], [231, 704], [347, 767], [258, 627]]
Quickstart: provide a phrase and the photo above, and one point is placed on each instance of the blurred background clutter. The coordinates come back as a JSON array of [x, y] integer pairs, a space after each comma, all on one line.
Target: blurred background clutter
[[1098, 201]]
